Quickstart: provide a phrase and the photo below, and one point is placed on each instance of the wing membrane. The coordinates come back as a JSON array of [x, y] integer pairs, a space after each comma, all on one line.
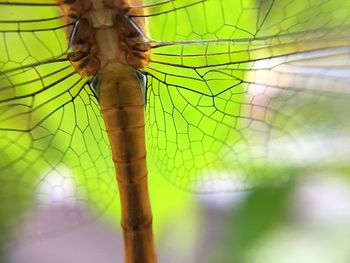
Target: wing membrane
[[53, 146], [256, 108], [245, 19], [30, 32], [239, 92], [250, 121]]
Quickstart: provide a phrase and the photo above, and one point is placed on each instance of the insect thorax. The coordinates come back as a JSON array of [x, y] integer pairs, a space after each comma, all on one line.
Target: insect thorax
[[104, 35]]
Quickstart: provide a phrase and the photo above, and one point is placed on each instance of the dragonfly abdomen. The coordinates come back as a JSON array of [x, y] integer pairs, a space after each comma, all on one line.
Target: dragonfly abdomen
[[122, 105], [106, 43]]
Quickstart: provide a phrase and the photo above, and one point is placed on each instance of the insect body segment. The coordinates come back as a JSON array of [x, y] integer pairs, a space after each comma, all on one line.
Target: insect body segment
[[107, 44], [104, 34], [85, 55]]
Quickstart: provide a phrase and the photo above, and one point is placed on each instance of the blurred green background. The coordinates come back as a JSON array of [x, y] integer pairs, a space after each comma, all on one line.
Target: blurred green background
[[307, 222], [59, 201]]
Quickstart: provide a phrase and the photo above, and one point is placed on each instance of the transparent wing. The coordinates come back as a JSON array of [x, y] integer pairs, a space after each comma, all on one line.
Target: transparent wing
[[237, 90], [53, 147], [188, 20], [260, 95]]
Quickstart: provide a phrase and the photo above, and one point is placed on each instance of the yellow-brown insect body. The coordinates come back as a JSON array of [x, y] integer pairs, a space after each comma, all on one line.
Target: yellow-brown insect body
[[104, 35], [106, 43]]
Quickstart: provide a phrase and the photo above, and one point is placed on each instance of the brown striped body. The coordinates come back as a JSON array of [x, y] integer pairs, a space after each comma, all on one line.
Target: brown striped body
[[107, 44], [122, 104]]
